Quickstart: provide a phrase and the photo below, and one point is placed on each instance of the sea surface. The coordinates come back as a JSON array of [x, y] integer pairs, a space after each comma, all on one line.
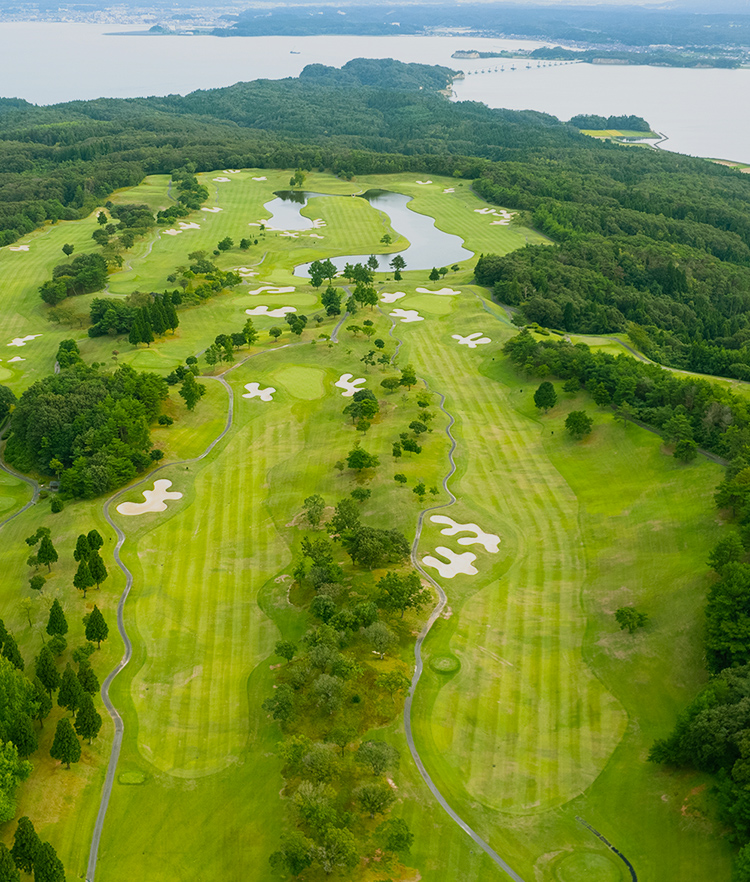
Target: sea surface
[[700, 111]]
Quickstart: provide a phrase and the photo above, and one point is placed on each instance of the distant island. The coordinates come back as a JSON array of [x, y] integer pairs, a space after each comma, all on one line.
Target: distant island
[[653, 57]]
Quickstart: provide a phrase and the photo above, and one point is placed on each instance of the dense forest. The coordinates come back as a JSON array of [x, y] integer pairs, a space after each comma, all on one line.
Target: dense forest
[[646, 238]]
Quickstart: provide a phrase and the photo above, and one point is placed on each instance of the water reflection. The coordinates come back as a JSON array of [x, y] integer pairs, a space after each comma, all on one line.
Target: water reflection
[[428, 246]]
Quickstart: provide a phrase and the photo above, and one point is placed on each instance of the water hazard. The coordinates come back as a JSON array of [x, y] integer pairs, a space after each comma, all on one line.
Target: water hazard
[[428, 246]]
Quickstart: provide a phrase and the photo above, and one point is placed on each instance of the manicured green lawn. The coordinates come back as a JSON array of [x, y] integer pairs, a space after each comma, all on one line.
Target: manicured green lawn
[[552, 709]]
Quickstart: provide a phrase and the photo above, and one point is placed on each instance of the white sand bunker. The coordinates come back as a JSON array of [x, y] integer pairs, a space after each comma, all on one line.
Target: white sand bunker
[[490, 541], [189, 226], [254, 391], [424, 182], [155, 500], [393, 296], [222, 180], [449, 190], [407, 315], [22, 341], [316, 236], [441, 292], [172, 232], [231, 171], [472, 341], [213, 210], [457, 563], [16, 358], [349, 385], [260, 179], [269, 289], [274, 313], [500, 223], [18, 248], [318, 223], [289, 235]]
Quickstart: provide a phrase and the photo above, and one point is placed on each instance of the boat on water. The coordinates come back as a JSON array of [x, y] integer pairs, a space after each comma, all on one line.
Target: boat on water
[[293, 52]]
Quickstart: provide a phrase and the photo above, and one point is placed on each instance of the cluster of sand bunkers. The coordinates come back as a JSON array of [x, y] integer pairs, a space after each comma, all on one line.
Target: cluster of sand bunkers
[[503, 217], [460, 563]]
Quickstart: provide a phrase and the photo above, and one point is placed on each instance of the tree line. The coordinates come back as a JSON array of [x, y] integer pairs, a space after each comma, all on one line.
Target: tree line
[[338, 783]]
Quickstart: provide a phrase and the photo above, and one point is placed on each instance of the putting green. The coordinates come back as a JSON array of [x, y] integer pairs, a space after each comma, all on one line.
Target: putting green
[[305, 383], [588, 867]]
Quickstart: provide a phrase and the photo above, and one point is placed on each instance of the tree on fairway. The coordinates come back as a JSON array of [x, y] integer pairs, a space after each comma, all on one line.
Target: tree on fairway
[[375, 798], [71, 692], [345, 517], [398, 263], [96, 627], [394, 835], [314, 508], [545, 396], [249, 333], [25, 845], [380, 637], [46, 554], [408, 377], [88, 720], [65, 746], [401, 592], [225, 244], [434, 275], [43, 702], [8, 870], [380, 756], [46, 670], [285, 649], [47, 865], [578, 424], [331, 301], [275, 332], [36, 583], [57, 623], [628, 618], [68, 249], [97, 569], [191, 392], [359, 459], [393, 682], [83, 579], [87, 678], [94, 538], [83, 549]]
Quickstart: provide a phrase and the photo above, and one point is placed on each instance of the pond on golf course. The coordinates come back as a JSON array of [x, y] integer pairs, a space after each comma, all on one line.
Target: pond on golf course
[[428, 246]]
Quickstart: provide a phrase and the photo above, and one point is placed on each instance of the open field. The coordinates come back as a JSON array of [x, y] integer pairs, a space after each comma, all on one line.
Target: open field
[[550, 711]]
